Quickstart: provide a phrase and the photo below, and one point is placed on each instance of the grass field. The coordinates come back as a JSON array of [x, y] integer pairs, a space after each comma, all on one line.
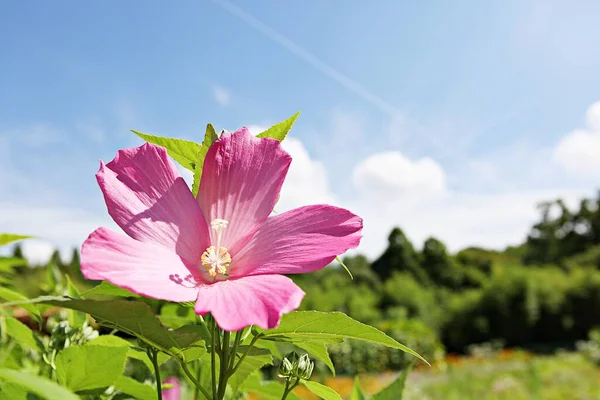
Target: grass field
[[506, 376]]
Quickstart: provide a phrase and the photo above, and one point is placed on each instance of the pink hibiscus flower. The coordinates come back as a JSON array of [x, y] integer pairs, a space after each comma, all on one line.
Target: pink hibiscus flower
[[223, 249]]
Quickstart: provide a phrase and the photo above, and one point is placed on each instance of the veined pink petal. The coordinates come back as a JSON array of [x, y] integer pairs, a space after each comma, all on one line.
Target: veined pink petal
[[148, 199], [298, 241], [175, 392], [241, 181], [253, 300], [141, 267]]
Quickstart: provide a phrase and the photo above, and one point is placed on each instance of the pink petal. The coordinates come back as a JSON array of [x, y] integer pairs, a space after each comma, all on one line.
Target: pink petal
[[148, 199], [253, 300], [175, 392], [298, 241], [241, 181], [143, 268]]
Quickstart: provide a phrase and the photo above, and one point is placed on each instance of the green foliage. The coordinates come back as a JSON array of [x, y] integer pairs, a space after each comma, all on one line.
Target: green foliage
[[135, 389], [268, 390], [8, 238], [135, 318], [12, 296], [400, 255], [357, 393], [354, 357], [22, 334], [326, 328], [108, 289], [182, 151], [42, 387], [210, 137], [319, 351], [88, 367], [395, 390], [324, 392], [441, 269], [279, 131]]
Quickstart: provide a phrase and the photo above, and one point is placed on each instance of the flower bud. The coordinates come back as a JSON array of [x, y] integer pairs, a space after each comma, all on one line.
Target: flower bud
[[285, 369], [305, 367], [295, 366]]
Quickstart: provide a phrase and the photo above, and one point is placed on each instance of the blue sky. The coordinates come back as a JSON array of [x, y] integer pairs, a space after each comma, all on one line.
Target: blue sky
[[446, 118]]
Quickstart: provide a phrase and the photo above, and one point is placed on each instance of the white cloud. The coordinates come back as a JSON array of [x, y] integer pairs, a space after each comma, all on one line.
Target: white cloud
[[221, 95], [579, 151], [392, 174], [393, 190], [306, 182], [53, 227]]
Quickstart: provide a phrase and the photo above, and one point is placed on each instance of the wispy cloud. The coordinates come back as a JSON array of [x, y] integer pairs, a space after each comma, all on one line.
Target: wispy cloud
[[221, 95]]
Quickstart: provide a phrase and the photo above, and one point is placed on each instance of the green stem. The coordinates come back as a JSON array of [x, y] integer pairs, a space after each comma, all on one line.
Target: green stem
[[252, 343], [192, 379], [236, 343], [213, 358], [153, 355], [289, 389], [198, 374], [224, 375]]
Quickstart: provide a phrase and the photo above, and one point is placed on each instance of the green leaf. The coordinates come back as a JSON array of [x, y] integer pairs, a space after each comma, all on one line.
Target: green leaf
[[133, 317], [51, 277], [182, 151], [357, 393], [7, 238], [22, 334], [7, 264], [324, 392], [271, 346], [329, 327], [42, 387], [175, 315], [76, 318], [396, 389], [90, 367], [13, 391], [108, 289], [268, 390], [248, 366], [12, 296], [318, 351], [279, 131], [210, 136], [108, 340], [135, 389]]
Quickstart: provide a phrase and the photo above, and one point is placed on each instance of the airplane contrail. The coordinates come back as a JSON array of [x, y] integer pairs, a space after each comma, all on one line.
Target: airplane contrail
[[308, 57]]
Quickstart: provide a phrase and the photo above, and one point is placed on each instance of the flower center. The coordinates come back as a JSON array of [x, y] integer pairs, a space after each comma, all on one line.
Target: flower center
[[216, 259]]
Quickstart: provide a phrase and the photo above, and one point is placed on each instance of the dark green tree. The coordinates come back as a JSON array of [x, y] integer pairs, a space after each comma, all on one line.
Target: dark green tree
[[400, 255], [439, 266]]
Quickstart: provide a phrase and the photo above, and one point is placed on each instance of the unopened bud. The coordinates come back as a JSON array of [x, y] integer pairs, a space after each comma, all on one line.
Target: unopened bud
[[285, 369], [305, 367], [295, 366]]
